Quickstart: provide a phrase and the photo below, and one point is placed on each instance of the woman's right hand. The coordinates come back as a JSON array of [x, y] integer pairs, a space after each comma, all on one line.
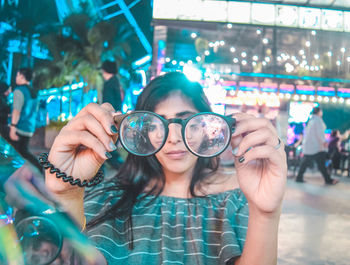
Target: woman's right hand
[[82, 146]]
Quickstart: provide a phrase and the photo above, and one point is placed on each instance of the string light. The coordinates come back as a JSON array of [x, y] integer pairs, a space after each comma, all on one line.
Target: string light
[[265, 41]]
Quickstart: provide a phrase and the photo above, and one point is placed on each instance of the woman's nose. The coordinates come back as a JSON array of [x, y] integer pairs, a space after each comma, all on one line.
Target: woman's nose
[[174, 134]]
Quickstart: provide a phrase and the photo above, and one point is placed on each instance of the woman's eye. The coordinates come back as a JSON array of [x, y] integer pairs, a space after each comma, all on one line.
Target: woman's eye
[[152, 128], [194, 127]]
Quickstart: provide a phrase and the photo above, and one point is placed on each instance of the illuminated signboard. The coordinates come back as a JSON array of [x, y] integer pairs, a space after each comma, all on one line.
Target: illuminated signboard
[[309, 18], [305, 90], [263, 14], [238, 12], [252, 13], [229, 85], [248, 86], [347, 21], [211, 9], [343, 92], [287, 16], [166, 9], [326, 91], [286, 89], [268, 87], [332, 20]]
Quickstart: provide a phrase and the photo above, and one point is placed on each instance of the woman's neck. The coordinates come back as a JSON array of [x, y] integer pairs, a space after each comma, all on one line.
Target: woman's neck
[[177, 184]]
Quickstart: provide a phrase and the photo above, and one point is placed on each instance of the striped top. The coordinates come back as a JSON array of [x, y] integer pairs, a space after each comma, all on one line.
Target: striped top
[[204, 230]]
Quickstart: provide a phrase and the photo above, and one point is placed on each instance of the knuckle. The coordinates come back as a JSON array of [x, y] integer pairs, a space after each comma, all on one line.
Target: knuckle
[[107, 105], [91, 106]]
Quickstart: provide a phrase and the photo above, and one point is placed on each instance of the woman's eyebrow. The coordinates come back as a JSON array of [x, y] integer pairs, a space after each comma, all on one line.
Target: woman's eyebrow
[[184, 113], [180, 114]]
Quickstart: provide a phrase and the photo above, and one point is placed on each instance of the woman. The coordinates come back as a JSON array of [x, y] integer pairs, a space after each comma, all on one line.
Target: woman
[[183, 211]]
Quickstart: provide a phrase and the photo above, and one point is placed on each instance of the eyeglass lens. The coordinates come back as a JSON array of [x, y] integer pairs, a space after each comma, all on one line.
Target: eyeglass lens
[[207, 135], [144, 134]]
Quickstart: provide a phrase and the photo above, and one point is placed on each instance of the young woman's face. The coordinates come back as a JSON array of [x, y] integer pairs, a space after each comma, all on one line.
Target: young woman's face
[[174, 157]]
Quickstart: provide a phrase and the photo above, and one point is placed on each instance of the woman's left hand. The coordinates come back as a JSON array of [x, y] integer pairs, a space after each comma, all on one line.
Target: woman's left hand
[[260, 161]]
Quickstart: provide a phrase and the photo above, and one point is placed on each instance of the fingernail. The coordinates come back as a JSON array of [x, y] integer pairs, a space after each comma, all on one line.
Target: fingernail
[[112, 146], [114, 129], [108, 155], [241, 159], [249, 149], [235, 151]]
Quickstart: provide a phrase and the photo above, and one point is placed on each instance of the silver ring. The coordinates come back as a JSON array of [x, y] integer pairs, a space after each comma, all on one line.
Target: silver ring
[[278, 145]]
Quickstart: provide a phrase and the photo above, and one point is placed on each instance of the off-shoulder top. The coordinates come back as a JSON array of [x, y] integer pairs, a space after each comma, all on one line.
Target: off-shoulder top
[[167, 230]]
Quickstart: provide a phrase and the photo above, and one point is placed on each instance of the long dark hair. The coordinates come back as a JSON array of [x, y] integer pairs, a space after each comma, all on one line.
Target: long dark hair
[[137, 172]]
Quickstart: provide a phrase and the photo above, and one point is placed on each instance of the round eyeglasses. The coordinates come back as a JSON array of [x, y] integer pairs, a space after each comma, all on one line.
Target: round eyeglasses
[[205, 134]]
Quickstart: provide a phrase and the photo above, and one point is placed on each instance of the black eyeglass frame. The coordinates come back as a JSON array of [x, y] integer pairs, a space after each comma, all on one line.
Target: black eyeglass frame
[[231, 122]]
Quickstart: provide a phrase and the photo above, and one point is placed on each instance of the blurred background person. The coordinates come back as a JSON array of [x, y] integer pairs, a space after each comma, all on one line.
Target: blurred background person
[[314, 147], [23, 116], [335, 151], [5, 109], [112, 93]]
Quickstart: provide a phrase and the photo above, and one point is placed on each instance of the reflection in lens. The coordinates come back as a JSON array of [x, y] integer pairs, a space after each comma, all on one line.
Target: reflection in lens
[[142, 133], [40, 240], [207, 135]]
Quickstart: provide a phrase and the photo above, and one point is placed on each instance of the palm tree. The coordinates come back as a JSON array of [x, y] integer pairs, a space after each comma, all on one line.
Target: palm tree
[[77, 50]]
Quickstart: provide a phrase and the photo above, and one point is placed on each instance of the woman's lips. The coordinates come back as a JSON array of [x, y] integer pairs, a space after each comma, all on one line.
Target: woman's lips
[[176, 154]]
